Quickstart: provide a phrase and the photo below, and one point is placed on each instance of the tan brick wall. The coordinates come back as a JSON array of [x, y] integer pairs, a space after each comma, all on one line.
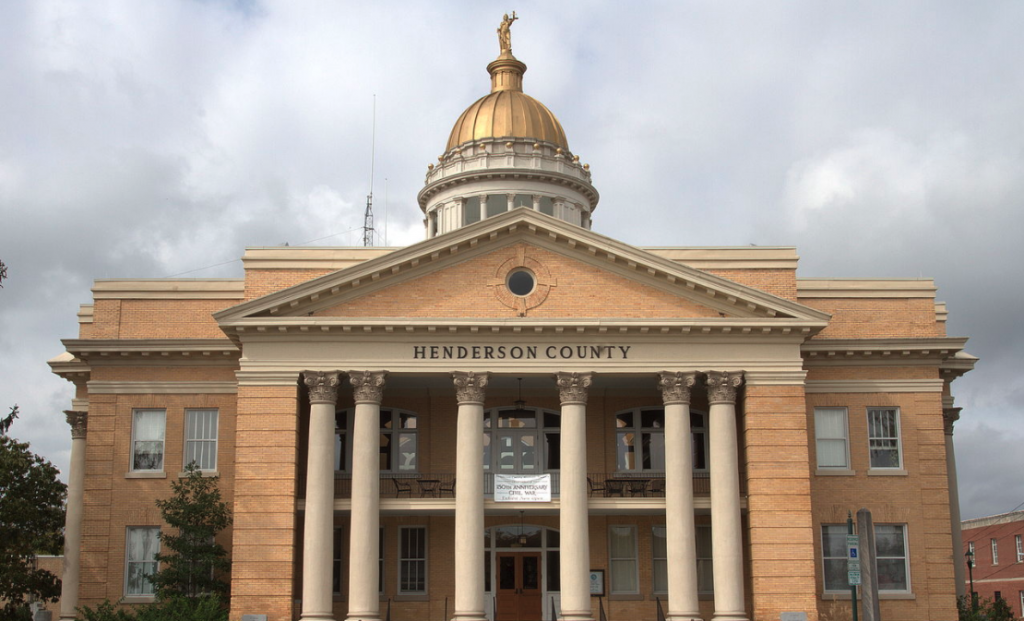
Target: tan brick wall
[[114, 502], [780, 282], [260, 282], [156, 319], [872, 373], [871, 318], [582, 291], [920, 499]]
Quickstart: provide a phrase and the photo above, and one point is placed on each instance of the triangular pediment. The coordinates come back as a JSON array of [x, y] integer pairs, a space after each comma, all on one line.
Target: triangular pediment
[[579, 275]]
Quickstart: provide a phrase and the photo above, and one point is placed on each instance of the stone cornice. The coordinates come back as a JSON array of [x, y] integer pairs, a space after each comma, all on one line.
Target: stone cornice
[[881, 352], [162, 388], [729, 257], [873, 386], [957, 366], [154, 351], [517, 225], [169, 288], [70, 368], [865, 288]]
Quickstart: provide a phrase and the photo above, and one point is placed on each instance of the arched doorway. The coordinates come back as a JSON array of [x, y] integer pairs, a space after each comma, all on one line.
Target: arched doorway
[[522, 571]]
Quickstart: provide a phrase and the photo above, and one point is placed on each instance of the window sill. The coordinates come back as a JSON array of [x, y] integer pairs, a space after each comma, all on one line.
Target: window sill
[[138, 599], [829, 596], [412, 597], [887, 472], [835, 472], [626, 597], [145, 474], [205, 473]]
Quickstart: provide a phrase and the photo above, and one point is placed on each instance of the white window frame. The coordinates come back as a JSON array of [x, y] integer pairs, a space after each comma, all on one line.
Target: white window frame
[[617, 589], [876, 440], [905, 557], [136, 440], [1022, 603], [1020, 548], [422, 561], [190, 442], [129, 561], [825, 559], [659, 559], [995, 550], [819, 438], [343, 439]]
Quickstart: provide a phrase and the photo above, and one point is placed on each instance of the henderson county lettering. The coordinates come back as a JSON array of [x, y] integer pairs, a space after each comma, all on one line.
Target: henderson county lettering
[[516, 352]]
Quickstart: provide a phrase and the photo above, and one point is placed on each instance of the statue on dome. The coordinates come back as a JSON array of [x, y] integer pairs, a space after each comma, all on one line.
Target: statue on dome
[[505, 34]]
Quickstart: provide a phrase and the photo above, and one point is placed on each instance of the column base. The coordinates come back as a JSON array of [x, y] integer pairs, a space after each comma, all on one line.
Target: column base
[[730, 616], [469, 616], [374, 617], [316, 616], [577, 616], [683, 616]]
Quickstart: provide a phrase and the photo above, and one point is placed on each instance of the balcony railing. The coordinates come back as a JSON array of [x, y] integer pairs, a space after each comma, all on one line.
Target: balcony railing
[[599, 485]]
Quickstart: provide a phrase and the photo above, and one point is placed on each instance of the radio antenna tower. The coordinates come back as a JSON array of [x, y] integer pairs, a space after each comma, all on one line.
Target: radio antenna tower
[[368, 216]]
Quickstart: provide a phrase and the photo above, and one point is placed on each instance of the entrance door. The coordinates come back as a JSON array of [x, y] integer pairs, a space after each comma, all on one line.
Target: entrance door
[[517, 452], [519, 592]]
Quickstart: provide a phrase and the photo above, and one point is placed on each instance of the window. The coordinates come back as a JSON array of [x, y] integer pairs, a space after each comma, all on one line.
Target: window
[[336, 560], [512, 436], [884, 437], [623, 560], [705, 566], [398, 441], [148, 440], [1020, 548], [998, 595], [1022, 603], [833, 553], [640, 440], [142, 544], [659, 554], [380, 561], [830, 434], [995, 551], [201, 438], [412, 559], [891, 557]]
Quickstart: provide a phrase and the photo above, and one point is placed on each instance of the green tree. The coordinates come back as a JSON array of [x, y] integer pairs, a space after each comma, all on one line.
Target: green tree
[[986, 610], [31, 522], [194, 562]]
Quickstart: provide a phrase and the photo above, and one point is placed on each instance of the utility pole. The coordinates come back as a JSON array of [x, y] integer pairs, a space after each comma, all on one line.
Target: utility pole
[[853, 561], [970, 572]]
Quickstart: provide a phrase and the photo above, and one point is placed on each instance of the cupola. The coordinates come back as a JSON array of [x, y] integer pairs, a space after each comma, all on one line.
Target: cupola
[[506, 151]]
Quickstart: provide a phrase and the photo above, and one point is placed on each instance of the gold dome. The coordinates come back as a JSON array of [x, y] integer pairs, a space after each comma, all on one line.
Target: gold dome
[[507, 112]]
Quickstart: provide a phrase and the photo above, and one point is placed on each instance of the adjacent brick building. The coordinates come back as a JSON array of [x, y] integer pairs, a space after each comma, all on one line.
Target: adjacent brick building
[[996, 544], [698, 421]]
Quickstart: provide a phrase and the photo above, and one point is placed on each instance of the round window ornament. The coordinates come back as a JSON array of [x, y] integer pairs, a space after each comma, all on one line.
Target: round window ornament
[[521, 282]]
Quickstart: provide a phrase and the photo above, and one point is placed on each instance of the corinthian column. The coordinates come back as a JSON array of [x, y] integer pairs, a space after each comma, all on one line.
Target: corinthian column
[[949, 416], [363, 599], [469, 497], [680, 532], [73, 519], [574, 519], [318, 530], [726, 528]]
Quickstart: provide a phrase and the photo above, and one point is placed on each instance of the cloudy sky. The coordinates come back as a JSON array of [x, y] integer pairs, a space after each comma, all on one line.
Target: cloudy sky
[[151, 139]]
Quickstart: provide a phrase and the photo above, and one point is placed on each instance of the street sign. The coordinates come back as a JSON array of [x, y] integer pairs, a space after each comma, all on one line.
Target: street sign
[[853, 577], [852, 560]]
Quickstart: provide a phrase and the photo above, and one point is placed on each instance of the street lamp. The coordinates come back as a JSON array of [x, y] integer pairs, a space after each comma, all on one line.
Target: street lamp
[[970, 572]]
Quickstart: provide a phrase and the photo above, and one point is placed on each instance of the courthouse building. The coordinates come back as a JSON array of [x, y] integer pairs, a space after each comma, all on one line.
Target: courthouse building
[[520, 416]]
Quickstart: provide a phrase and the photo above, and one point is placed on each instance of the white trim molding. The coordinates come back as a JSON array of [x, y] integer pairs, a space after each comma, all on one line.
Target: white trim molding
[[98, 387], [874, 385]]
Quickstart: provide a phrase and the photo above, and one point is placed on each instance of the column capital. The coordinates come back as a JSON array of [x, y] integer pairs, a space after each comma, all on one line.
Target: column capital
[[573, 387], [722, 386], [470, 386], [675, 386], [322, 385], [79, 422], [368, 385], [950, 416]]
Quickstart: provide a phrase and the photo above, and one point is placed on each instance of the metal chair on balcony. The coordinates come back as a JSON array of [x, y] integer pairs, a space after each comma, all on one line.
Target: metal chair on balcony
[[657, 487], [401, 488], [594, 488], [447, 488]]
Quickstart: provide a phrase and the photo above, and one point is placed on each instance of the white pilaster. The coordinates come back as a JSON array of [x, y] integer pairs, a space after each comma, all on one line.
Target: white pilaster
[[364, 533], [726, 528], [469, 497], [680, 531], [574, 516], [79, 422]]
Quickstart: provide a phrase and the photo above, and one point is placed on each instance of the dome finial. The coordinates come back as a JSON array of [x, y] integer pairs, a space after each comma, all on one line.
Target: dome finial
[[505, 35]]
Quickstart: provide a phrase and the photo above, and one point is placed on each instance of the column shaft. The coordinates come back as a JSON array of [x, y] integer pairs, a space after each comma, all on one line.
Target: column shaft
[[950, 416], [469, 498], [73, 518], [680, 531], [574, 518], [318, 529], [364, 531], [726, 527]]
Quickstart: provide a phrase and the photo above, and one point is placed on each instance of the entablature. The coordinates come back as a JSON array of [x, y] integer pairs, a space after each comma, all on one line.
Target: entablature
[[881, 352]]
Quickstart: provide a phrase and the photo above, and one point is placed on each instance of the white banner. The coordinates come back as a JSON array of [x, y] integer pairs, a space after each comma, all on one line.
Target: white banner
[[522, 488]]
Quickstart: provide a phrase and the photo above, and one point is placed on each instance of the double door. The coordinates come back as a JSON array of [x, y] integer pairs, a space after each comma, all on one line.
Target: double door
[[519, 586]]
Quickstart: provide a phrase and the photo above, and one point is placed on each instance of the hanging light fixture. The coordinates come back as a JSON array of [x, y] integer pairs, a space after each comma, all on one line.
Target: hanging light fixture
[[520, 403], [522, 533]]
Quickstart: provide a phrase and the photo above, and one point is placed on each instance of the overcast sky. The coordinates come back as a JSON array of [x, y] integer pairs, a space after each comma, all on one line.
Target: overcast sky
[[152, 139]]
